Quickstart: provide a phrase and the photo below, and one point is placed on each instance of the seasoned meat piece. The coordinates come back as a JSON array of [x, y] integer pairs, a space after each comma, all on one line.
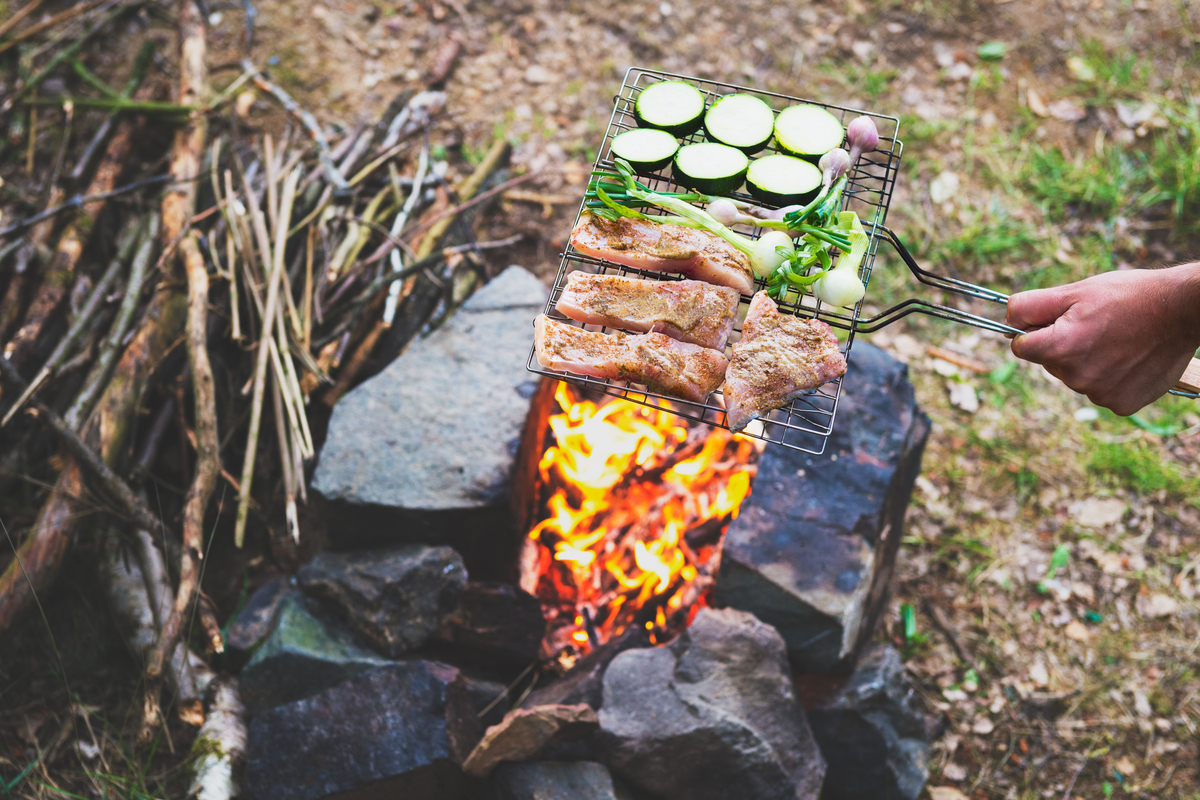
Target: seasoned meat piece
[[778, 358], [658, 362], [690, 311], [663, 247]]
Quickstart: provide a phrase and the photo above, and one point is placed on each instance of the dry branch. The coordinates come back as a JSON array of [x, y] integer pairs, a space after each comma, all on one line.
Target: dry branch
[[178, 205], [106, 431], [61, 272]]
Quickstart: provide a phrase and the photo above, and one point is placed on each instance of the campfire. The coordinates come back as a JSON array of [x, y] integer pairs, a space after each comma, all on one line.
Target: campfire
[[636, 502]]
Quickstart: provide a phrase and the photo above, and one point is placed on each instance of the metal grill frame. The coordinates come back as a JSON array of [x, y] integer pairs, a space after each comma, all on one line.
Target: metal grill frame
[[806, 423]]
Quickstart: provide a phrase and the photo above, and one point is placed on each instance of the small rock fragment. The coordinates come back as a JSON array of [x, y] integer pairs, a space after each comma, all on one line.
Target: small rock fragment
[[1077, 631], [1100, 512], [945, 793], [525, 731], [954, 772], [1156, 606]]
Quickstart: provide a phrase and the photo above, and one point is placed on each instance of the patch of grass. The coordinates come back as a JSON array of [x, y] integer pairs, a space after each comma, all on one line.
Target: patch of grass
[[1140, 467], [1163, 173], [1117, 74], [988, 236]]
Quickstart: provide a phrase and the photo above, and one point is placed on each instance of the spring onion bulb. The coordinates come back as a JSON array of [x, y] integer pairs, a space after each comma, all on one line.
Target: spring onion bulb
[[863, 136], [840, 286], [833, 165], [771, 250]]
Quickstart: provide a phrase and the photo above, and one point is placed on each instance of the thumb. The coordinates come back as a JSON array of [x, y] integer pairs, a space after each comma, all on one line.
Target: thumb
[[1038, 345], [1038, 308]]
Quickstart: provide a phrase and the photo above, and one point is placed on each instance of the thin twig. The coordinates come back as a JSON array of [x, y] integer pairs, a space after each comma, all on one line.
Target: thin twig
[[383, 252], [128, 242], [81, 200], [260, 370], [21, 14], [86, 456], [948, 630], [306, 119], [97, 379]]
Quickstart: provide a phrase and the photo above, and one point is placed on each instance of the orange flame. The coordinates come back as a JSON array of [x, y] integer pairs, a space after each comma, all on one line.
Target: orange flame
[[628, 482]]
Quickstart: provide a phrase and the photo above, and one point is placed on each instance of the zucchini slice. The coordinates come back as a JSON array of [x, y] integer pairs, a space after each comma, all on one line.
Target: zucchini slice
[[808, 132], [646, 149], [672, 106], [780, 180], [710, 168], [740, 120]]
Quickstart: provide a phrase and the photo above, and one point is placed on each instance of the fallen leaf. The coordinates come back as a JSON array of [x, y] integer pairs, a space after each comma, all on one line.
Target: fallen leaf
[[535, 73], [1078, 631], [1156, 606], [1084, 591], [945, 793], [962, 395], [1035, 102], [954, 772], [1067, 110], [1080, 69], [1100, 512], [943, 187], [1125, 766], [1135, 116], [992, 51], [983, 726], [1039, 674]]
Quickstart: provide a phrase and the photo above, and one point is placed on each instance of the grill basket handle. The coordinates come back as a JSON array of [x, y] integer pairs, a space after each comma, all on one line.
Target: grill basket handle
[[1188, 386]]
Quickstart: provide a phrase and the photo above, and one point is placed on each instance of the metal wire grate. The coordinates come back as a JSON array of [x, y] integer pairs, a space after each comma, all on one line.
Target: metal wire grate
[[806, 422]]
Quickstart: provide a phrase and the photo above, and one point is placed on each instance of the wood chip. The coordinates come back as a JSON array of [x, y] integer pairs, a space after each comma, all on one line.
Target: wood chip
[[958, 360]]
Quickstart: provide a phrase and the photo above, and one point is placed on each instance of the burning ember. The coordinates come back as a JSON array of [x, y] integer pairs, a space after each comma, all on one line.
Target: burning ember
[[638, 500]]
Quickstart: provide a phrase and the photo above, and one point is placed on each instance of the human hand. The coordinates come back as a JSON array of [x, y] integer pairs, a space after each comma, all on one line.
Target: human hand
[[1121, 338]]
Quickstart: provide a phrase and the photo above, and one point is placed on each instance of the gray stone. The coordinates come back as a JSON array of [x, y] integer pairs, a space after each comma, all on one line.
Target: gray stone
[[813, 549], [399, 730], [395, 597], [305, 652], [497, 622], [247, 630], [872, 735], [425, 450], [555, 780], [711, 716]]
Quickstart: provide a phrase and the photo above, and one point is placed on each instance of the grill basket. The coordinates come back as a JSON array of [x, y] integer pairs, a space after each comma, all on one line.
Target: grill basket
[[806, 423]]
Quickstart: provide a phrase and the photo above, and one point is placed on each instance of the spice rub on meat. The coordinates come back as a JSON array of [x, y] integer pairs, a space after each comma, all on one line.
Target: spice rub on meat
[[778, 358], [658, 362], [664, 247], [690, 311]]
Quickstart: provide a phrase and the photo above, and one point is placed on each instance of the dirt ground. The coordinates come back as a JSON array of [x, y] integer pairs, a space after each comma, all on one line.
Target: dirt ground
[[1047, 591]]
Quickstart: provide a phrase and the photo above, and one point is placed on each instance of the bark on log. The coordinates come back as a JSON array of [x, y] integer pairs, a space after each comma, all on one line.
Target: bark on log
[[220, 746]]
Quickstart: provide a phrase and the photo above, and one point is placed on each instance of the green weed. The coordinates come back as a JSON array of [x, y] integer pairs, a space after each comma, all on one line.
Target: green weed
[[988, 236], [1117, 75], [1140, 467], [1162, 175]]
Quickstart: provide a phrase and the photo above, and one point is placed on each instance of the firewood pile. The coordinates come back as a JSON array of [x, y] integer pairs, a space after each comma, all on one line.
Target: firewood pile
[[221, 291]]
